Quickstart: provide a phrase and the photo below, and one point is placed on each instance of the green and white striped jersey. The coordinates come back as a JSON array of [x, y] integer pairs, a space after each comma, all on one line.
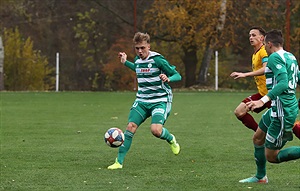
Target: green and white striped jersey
[[282, 64], [151, 89]]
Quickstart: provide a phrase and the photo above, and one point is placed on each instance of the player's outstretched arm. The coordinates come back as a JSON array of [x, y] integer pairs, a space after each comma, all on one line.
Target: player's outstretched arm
[[237, 75], [123, 59]]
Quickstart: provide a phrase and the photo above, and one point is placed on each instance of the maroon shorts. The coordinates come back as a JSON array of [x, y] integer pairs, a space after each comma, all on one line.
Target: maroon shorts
[[256, 97]]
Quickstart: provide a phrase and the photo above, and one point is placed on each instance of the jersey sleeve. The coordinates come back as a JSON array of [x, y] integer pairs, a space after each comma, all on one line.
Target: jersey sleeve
[[298, 78], [281, 86], [168, 69], [130, 65], [264, 59], [277, 65], [279, 70], [264, 56]]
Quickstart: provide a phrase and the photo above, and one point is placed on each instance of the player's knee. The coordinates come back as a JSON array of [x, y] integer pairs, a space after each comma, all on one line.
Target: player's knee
[[156, 130], [241, 110], [132, 127], [239, 113], [258, 140], [235, 112], [272, 158]]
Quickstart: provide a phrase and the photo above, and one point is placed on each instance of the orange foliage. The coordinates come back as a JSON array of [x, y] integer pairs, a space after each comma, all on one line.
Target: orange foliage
[[118, 76]]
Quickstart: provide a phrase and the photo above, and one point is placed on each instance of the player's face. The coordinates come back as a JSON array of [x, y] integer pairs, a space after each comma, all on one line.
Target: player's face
[[255, 37], [142, 49]]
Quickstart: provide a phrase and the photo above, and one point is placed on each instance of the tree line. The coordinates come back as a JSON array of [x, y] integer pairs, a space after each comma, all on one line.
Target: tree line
[[89, 34]]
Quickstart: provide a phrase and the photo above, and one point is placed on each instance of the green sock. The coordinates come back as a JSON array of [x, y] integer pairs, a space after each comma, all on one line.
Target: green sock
[[260, 160], [125, 147], [288, 154], [166, 135]]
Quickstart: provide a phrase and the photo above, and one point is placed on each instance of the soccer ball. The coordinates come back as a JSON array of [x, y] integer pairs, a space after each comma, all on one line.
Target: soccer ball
[[114, 137]]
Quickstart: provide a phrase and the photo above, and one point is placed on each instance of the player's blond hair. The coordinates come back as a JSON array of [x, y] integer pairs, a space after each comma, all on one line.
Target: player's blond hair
[[140, 37]]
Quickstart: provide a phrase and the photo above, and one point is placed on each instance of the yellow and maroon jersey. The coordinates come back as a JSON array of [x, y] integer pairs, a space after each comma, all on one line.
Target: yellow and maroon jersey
[[258, 58]]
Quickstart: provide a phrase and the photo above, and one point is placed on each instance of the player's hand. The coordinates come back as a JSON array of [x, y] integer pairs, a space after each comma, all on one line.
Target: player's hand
[[237, 75], [164, 78], [123, 57], [254, 104]]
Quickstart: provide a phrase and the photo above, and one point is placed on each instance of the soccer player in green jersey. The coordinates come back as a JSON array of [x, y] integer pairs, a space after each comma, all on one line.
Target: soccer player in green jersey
[[275, 126], [259, 62], [153, 98]]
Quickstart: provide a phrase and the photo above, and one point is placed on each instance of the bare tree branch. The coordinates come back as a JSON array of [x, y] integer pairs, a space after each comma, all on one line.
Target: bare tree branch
[[113, 12]]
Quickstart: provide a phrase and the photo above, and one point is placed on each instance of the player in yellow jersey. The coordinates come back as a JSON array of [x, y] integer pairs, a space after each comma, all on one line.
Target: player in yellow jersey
[[259, 61], [276, 124]]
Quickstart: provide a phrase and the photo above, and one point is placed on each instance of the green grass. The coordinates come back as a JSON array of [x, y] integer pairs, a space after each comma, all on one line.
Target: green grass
[[54, 141]]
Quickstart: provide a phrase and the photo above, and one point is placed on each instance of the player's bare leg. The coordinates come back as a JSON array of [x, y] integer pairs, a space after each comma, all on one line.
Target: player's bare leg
[[241, 112], [296, 129], [159, 131], [124, 148]]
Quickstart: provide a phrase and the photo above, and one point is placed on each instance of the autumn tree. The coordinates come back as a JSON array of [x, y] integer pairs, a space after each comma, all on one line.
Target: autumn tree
[[92, 42], [294, 28], [25, 68], [102, 32], [191, 24], [212, 42], [185, 31], [118, 76], [269, 15]]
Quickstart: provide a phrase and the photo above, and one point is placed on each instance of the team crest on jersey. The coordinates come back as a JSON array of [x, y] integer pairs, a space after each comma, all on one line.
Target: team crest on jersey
[[149, 65], [278, 66]]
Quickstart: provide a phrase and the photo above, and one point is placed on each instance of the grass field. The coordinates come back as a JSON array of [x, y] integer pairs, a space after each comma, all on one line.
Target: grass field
[[54, 141]]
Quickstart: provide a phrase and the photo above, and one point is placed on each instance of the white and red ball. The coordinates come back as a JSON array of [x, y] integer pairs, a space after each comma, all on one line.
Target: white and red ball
[[114, 137]]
